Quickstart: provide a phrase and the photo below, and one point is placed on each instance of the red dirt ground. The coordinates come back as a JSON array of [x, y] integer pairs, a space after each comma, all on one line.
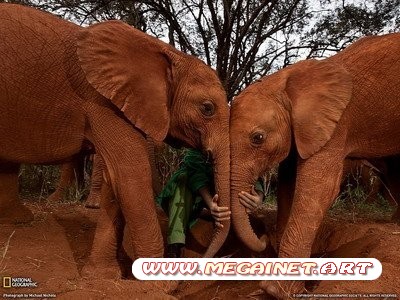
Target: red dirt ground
[[53, 249]]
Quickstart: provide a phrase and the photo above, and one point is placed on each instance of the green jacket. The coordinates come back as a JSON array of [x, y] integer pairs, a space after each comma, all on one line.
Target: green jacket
[[198, 171]]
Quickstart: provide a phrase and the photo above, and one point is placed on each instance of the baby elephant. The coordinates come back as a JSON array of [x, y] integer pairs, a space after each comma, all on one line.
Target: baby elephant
[[112, 85], [309, 118]]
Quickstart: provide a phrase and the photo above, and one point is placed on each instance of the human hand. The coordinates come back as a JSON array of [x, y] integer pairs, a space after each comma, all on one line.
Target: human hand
[[219, 213], [251, 201]]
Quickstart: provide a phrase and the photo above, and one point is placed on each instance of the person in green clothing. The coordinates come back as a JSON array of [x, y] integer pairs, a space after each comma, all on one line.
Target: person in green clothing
[[188, 192]]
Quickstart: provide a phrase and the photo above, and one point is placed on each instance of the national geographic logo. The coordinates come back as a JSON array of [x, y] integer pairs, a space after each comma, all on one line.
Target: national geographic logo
[[6, 282], [18, 282]]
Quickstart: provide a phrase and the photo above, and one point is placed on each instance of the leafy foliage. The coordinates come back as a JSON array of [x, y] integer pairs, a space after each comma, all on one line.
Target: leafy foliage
[[344, 23], [38, 181], [242, 39], [352, 203]]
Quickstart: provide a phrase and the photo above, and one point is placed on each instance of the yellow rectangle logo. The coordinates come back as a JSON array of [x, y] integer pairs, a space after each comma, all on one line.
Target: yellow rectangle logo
[[6, 282]]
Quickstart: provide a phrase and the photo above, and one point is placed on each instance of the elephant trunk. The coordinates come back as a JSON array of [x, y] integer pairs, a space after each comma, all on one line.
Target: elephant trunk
[[240, 218], [221, 157]]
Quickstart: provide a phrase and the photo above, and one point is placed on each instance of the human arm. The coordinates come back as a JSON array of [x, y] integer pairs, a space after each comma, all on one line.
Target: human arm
[[200, 180], [219, 213], [253, 200]]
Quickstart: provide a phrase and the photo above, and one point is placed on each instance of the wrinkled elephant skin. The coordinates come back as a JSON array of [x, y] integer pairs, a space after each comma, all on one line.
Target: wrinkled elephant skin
[[310, 117], [112, 85]]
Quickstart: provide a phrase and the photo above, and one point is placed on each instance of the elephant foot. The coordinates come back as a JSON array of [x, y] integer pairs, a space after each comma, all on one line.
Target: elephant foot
[[15, 214], [93, 201], [283, 289], [109, 271]]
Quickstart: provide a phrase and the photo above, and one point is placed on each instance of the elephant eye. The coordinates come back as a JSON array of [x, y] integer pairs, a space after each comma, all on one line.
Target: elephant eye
[[257, 138], [207, 108]]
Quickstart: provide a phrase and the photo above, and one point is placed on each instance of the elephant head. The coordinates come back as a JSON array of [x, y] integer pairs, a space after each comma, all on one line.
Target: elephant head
[[297, 109], [163, 92]]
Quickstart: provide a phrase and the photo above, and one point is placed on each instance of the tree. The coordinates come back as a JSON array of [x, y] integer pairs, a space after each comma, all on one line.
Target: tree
[[345, 22], [242, 39]]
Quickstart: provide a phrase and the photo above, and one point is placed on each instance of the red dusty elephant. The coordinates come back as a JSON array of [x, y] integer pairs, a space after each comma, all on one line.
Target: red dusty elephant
[[72, 175], [310, 117], [110, 84]]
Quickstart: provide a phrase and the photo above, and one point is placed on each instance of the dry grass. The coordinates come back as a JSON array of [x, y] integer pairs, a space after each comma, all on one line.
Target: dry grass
[[39, 182], [351, 205], [4, 251], [167, 162]]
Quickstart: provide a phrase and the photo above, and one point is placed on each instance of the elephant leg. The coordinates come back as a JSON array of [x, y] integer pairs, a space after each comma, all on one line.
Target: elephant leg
[[125, 155], [11, 208], [94, 198], [285, 193], [156, 180], [107, 240], [317, 184]]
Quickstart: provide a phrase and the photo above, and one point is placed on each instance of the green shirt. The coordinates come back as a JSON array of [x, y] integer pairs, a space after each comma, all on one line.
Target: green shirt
[[198, 171]]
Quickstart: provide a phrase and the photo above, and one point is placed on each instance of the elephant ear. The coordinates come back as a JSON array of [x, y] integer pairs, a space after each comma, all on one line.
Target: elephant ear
[[319, 92], [132, 70]]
